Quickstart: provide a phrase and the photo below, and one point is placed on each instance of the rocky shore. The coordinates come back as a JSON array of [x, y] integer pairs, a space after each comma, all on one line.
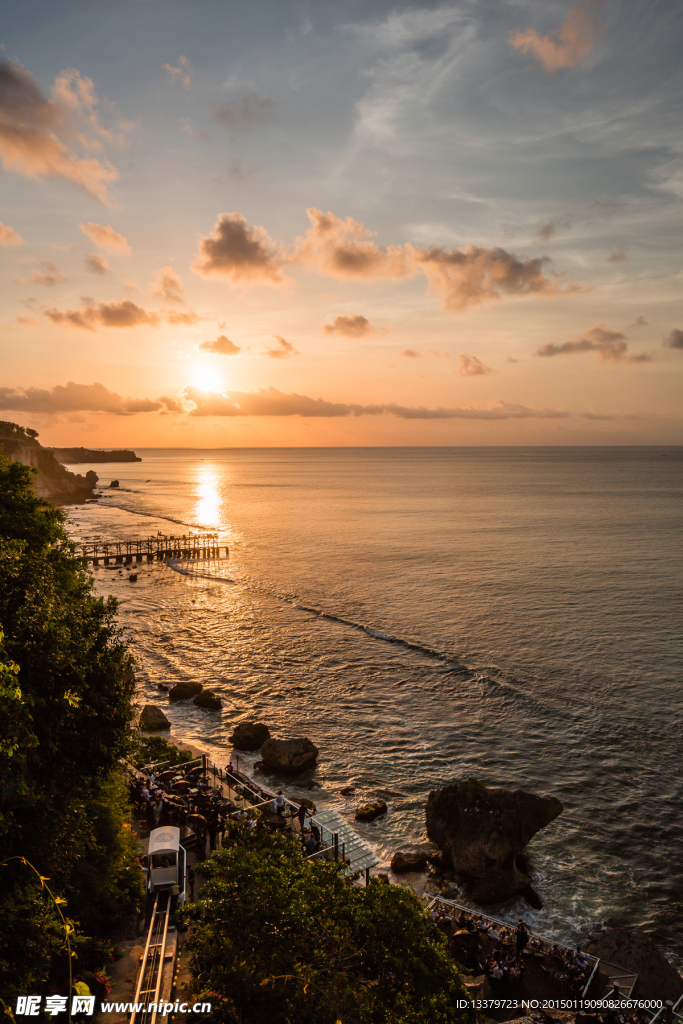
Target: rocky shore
[[72, 456], [52, 480]]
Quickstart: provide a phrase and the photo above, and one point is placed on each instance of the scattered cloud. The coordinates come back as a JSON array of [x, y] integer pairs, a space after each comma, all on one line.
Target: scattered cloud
[[470, 366], [609, 345], [105, 236], [221, 345], [183, 73], [39, 136], [618, 256], [27, 321], [352, 326], [168, 285], [565, 48], [8, 236], [548, 229], [283, 349], [239, 251], [104, 314], [674, 339], [411, 353], [244, 111], [345, 249], [471, 275], [639, 321], [96, 264], [73, 397], [48, 275], [271, 402], [187, 317]]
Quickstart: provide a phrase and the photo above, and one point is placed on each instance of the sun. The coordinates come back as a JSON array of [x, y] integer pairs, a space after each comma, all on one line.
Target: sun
[[205, 378]]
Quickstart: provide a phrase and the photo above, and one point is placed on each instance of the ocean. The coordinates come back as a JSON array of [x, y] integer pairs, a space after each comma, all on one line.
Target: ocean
[[512, 614]]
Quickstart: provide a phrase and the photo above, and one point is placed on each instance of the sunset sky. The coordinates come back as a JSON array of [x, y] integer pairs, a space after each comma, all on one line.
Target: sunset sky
[[292, 223]]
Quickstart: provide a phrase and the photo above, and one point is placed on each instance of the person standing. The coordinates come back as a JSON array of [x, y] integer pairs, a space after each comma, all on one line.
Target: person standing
[[301, 815], [280, 802]]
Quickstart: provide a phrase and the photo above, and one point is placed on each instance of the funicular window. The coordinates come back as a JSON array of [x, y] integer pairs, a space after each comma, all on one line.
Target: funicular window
[[163, 860]]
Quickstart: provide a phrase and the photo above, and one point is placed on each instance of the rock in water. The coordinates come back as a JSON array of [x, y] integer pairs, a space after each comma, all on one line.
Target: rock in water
[[409, 860], [208, 699], [634, 950], [368, 812], [183, 691], [289, 756], [482, 831], [114, 483], [133, 578], [152, 719], [250, 735]]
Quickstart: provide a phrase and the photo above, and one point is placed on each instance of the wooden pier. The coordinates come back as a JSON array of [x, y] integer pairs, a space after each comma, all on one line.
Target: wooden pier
[[151, 549]]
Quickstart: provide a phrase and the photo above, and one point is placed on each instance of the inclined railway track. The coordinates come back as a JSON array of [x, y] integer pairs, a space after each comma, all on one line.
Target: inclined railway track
[[152, 967]]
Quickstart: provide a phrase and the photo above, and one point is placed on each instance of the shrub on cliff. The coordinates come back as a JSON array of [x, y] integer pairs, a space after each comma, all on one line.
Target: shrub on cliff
[[277, 938], [66, 687]]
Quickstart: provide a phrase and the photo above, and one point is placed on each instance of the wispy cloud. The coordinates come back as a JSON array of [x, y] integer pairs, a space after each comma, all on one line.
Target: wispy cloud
[[168, 285], [48, 275], [96, 264], [39, 136], [411, 353], [283, 349], [244, 111], [221, 346], [610, 346], [618, 256], [105, 236], [470, 366], [352, 326], [182, 72], [8, 236], [123, 314], [567, 47]]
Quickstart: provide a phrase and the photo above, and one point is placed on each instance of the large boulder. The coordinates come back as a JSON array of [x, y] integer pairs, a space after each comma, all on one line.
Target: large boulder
[[634, 950], [482, 831], [183, 691], [288, 756], [152, 719], [368, 812], [209, 700], [250, 735], [404, 861]]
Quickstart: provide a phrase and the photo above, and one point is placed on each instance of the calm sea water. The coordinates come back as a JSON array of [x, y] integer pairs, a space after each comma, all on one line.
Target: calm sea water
[[542, 585]]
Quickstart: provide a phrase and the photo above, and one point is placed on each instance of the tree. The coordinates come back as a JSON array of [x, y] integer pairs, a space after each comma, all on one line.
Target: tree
[[66, 683], [278, 939]]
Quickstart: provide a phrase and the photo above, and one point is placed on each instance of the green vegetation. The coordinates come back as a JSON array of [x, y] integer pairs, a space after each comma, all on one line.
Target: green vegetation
[[146, 750], [66, 683], [278, 939]]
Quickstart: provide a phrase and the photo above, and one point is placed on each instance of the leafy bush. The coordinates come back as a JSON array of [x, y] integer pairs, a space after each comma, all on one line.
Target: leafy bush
[[146, 750], [277, 939]]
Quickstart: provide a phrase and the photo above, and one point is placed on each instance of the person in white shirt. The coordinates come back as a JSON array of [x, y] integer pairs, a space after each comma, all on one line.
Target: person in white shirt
[[280, 801]]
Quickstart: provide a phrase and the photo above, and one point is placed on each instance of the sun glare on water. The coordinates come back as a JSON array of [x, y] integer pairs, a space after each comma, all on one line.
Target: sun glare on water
[[208, 498]]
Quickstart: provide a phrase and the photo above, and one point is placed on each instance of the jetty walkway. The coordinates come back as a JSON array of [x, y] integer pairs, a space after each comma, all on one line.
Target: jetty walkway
[[150, 549]]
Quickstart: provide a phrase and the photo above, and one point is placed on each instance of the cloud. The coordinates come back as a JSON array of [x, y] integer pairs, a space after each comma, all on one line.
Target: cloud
[[183, 73], [104, 314], [639, 321], [344, 249], [27, 321], [674, 339], [222, 345], [618, 256], [73, 397], [549, 228], [283, 350], [471, 275], [125, 313], [168, 285], [410, 353], [38, 135], [565, 48], [271, 402], [96, 264], [610, 346], [50, 275], [470, 366], [8, 236], [353, 326], [245, 111], [239, 251], [105, 236]]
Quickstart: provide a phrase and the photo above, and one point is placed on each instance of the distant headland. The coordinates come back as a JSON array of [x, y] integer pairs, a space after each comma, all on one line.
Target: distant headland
[[71, 456]]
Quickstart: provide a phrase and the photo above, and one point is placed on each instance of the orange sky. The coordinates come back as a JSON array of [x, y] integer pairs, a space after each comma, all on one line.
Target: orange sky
[[430, 224]]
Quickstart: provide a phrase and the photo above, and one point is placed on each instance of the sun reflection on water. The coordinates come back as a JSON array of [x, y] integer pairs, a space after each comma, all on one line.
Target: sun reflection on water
[[208, 497]]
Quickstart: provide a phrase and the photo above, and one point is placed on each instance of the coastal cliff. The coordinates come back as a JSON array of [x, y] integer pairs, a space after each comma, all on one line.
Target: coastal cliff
[[71, 456], [53, 481]]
